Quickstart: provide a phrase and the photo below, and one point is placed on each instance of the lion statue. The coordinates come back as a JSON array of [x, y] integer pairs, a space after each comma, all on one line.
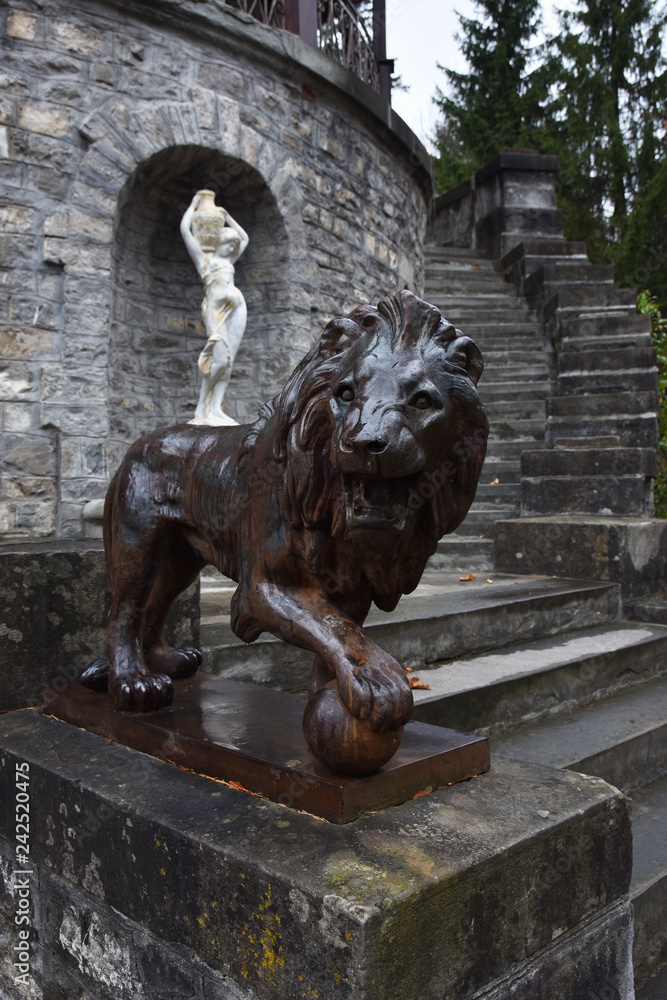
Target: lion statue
[[333, 499]]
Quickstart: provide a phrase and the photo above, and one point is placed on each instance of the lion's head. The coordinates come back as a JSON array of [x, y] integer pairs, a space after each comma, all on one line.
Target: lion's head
[[382, 431]]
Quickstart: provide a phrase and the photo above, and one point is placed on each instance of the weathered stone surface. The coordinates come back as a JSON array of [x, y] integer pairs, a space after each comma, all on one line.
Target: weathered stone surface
[[446, 622], [509, 200], [54, 599], [114, 117], [630, 551], [486, 889], [588, 480]]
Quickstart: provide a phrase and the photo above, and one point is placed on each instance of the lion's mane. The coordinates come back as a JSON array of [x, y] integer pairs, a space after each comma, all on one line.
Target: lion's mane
[[438, 502]]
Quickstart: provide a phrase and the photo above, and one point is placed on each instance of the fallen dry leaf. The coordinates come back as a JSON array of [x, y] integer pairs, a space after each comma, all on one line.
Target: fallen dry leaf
[[408, 670], [416, 682], [489, 581], [495, 482], [468, 576], [424, 791]]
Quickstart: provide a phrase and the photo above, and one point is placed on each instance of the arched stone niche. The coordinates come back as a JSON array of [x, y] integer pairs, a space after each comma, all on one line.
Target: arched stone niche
[[156, 330]]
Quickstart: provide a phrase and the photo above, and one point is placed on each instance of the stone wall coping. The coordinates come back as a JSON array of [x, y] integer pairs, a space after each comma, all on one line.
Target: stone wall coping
[[29, 547], [511, 159], [233, 29], [349, 910], [518, 159]]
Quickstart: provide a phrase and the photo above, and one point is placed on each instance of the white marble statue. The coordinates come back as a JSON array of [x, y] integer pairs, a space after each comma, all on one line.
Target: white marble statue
[[215, 242]]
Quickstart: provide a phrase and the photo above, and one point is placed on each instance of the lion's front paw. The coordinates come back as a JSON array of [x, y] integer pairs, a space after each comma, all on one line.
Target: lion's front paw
[[178, 663], [141, 693], [376, 691]]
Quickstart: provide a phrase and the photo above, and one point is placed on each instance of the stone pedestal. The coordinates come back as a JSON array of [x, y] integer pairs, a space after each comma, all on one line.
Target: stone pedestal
[[54, 597], [150, 880], [631, 551], [510, 199]]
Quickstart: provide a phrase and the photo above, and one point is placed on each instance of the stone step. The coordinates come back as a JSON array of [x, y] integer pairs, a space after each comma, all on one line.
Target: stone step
[[621, 738], [650, 609], [495, 691], [595, 360], [512, 356], [564, 273], [538, 388], [503, 469], [465, 313], [500, 494], [606, 342], [507, 429], [460, 554], [455, 283], [565, 462], [482, 516], [536, 371], [561, 319], [506, 450], [621, 496], [604, 441], [441, 619], [433, 251], [494, 498], [639, 379], [543, 248], [529, 347], [648, 888], [601, 404], [437, 260], [638, 430], [602, 323], [506, 332], [520, 409], [586, 295]]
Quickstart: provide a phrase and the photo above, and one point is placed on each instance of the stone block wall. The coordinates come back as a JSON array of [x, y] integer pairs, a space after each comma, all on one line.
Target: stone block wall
[[111, 116], [511, 198], [54, 599]]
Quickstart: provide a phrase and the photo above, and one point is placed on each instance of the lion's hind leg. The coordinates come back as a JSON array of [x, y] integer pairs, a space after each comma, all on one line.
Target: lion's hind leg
[[133, 556], [179, 566]]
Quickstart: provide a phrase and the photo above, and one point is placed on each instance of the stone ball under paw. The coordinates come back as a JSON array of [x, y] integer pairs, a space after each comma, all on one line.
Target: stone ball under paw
[[340, 741]]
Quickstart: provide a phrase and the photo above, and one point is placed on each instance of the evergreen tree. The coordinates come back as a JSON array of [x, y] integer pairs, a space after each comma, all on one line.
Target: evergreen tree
[[497, 104], [641, 259], [605, 115]]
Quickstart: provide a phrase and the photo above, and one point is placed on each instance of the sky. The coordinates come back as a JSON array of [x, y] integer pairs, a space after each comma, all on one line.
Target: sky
[[420, 34]]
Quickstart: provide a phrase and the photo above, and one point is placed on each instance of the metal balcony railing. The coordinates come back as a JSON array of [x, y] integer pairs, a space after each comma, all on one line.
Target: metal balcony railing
[[334, 26], [343, 35], [267, 11]]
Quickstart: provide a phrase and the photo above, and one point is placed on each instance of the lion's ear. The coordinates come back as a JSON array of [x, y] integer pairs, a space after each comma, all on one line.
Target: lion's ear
[[464, 353], [337, 336]]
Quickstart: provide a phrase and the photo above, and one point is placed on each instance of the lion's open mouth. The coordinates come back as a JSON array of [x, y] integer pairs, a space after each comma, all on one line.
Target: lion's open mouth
[[377, 503]]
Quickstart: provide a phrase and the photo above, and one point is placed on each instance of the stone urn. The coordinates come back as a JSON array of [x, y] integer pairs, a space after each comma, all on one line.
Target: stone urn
[[208, 222]]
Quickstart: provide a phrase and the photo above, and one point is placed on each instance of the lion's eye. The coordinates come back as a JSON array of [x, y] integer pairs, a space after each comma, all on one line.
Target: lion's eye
[[422, 401], [346, 393]]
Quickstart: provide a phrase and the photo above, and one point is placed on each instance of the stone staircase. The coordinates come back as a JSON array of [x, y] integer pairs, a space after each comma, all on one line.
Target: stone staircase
[[518, 375], [591, 699], [548, 668], [553, 670], [559, 672], [601, 427]]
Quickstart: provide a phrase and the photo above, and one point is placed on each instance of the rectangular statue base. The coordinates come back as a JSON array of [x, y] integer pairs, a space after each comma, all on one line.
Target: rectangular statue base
[[251, 736]]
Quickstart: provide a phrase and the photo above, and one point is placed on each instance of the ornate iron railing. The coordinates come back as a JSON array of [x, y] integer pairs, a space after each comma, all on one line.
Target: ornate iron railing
[[267, 11], [342, 32], [343, 35]]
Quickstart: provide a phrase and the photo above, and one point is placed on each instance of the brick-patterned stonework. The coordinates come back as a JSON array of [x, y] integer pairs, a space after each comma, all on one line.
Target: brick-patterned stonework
[[111, 116]]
